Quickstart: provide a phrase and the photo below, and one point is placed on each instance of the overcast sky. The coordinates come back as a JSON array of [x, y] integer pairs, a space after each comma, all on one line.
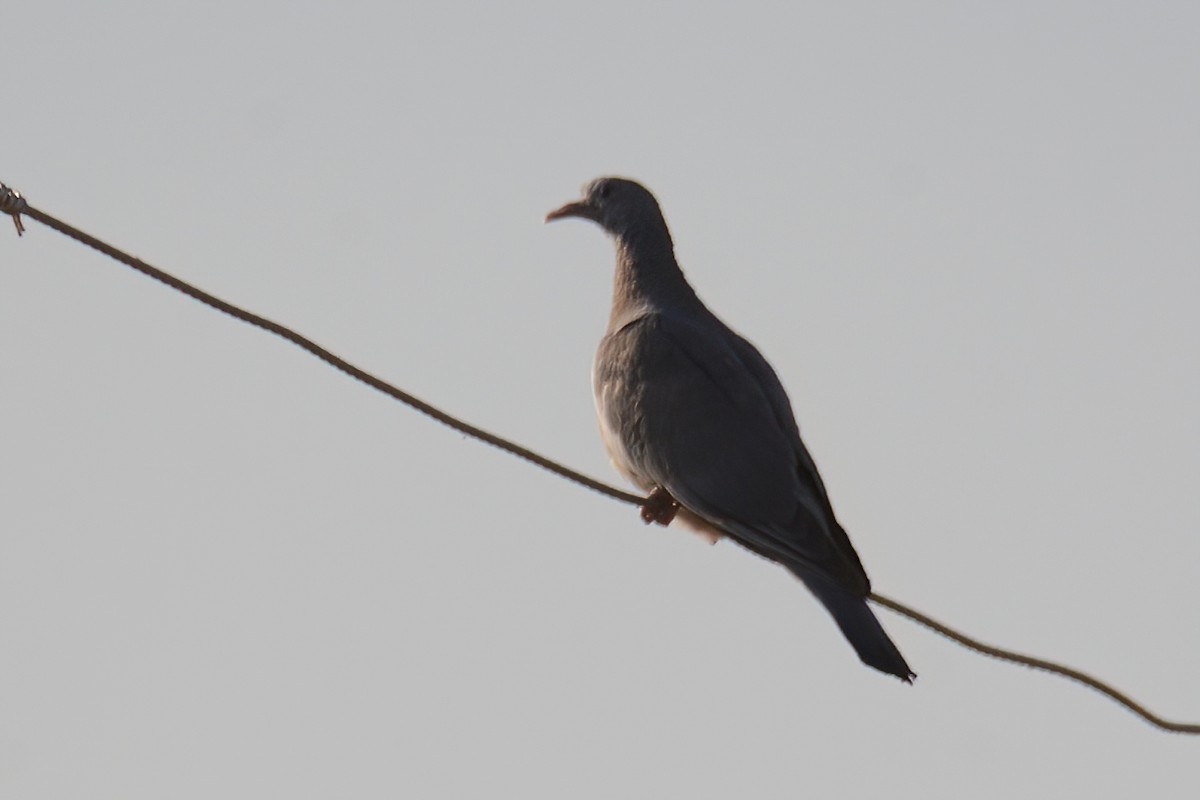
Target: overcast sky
[[965, 234]]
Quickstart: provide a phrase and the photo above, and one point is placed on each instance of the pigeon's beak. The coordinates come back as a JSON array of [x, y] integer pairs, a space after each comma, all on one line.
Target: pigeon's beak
[[577, 209]]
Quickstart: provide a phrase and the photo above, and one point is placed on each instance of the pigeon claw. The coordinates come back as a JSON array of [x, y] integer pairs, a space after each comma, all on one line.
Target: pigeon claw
[[659, 507]]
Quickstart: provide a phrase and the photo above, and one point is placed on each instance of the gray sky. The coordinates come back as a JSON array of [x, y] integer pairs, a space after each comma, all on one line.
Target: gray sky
[[965, 235]]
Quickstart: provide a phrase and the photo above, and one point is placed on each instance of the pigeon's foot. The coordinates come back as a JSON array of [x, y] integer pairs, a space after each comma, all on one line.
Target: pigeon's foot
[[659, 507]]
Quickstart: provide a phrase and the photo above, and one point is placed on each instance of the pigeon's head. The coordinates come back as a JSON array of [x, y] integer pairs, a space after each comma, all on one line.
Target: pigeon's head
[[618, 205]]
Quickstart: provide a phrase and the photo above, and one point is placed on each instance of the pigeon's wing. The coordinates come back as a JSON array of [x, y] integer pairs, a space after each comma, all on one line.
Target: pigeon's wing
[[810, 478], [693, 418]]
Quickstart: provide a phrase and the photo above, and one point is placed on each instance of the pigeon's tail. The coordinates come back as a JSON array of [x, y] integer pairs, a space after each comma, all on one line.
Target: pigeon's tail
[[859, 626]]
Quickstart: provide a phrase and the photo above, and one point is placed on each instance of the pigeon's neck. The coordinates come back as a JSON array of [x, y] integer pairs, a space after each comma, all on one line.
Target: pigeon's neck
[[648, 277]]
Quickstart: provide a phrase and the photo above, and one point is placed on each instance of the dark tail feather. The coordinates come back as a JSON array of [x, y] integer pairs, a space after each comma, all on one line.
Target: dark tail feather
[[859, 626]]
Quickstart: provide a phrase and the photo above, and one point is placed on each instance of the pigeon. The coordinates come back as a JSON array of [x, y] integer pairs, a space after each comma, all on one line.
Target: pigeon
[[694, 415]]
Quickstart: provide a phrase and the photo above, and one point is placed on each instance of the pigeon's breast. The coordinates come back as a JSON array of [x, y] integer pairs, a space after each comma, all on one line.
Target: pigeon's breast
[[619, 390]]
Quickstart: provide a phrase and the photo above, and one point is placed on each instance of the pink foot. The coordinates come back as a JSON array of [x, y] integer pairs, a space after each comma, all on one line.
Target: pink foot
[[659, 507]]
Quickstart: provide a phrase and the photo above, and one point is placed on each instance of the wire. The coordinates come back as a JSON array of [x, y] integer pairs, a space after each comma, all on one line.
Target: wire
[[13, 204], [18, 206], [1034, 663]]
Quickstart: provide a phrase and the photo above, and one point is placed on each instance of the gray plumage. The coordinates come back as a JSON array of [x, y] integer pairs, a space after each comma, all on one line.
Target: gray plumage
[[690, 408]]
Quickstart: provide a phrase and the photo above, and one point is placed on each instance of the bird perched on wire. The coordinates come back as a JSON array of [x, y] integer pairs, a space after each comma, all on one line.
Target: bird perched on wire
[[692, 413]]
